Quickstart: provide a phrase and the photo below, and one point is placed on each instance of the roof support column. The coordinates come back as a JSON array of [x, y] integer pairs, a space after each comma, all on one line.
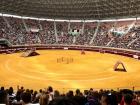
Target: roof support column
[[26, 28], [83, 27], [69, 26], [55, 32], [95, 34]]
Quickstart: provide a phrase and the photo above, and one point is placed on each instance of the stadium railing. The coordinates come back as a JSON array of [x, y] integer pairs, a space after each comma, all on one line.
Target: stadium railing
[[119, 51]]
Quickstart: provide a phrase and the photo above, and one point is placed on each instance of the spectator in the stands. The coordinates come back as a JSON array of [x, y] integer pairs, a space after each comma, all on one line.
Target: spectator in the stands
[[50, 92], [26, 98], [63, 101], [17, 100], [138, 97], [128, 99], [38, 96], [11, 94], [3, 96], [56, 94], [44, 99], [105, 100], [93, 98], [34, 98], [79, 98], [70, 94]]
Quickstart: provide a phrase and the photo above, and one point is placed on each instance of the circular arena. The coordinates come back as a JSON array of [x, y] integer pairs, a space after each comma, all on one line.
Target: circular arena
[[70, 52], [65, 68], [55, 68]]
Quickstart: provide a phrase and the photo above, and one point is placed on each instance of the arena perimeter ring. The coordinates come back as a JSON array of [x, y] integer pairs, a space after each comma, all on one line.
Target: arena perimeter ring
[[94, 69]]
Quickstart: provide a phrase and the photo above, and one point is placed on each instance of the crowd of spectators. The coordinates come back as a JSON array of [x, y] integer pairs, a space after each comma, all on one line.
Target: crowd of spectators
[[54, 97], [63, 33], [103, 36], [119, 34], [126, 35]]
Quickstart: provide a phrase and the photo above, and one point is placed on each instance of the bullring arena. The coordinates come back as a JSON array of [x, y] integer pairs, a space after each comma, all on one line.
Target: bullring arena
[[70, 52], [68, 69]]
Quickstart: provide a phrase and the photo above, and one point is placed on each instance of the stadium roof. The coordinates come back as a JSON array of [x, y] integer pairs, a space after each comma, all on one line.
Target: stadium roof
[[72, 9]]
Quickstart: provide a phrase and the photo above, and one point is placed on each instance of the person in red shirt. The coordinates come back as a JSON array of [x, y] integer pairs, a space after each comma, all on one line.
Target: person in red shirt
[[127, 99]]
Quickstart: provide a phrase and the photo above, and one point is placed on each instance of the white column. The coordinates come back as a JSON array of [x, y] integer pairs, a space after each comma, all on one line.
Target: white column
[[25, 26], [96, 31], [55, 31]]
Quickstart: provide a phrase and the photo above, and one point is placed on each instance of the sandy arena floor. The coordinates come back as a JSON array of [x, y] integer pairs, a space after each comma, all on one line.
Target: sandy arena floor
[[75, 71]]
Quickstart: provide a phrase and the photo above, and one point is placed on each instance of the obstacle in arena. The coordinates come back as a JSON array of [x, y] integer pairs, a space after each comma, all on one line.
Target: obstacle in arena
[[65, 60], [83, 52], [29, 53], [101, 51], [118, 68]]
